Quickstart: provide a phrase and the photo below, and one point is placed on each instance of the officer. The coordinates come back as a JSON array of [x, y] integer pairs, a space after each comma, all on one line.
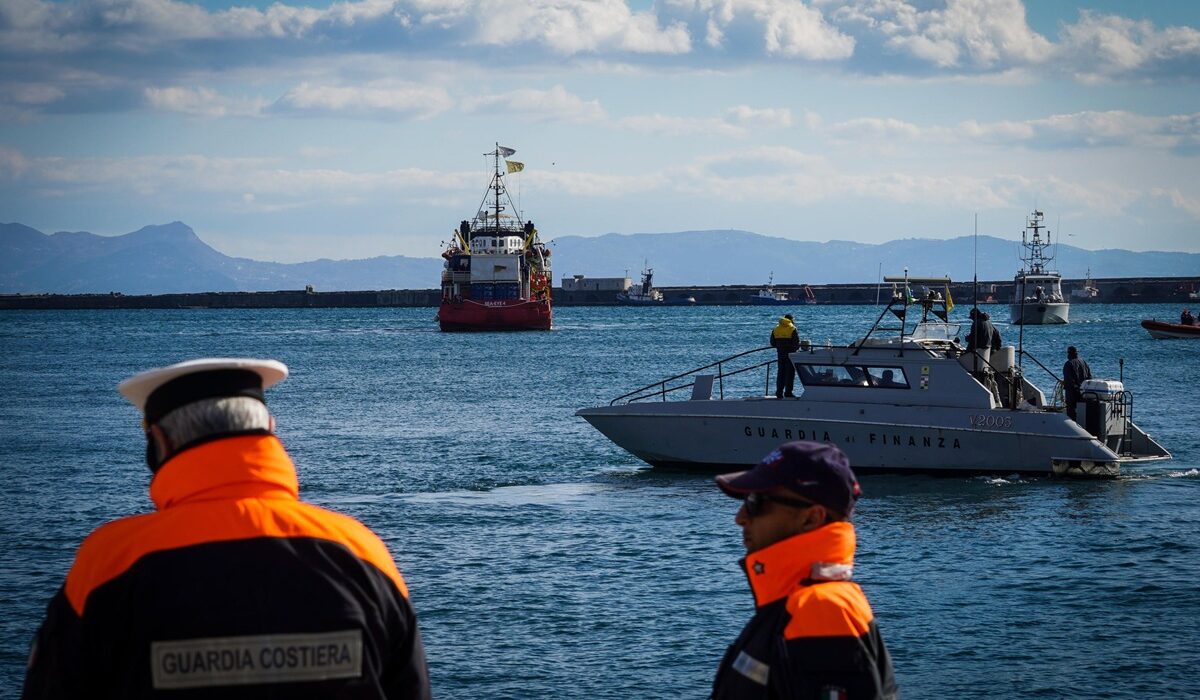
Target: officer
[[233, 587], [786, 340], [1075, 373], [813, 634]]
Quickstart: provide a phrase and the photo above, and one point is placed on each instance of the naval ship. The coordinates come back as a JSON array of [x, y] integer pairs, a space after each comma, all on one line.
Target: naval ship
[[905, 397], [1037, 290]]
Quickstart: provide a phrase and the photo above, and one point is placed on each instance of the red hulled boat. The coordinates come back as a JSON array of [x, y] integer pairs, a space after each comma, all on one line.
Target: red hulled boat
[[497, 271], [1163, 330]]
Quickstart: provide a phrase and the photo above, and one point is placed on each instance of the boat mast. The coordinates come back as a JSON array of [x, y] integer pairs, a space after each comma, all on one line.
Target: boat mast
[[496, 183]]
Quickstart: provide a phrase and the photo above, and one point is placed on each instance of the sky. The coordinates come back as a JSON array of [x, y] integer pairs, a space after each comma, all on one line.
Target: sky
[[291, 131]]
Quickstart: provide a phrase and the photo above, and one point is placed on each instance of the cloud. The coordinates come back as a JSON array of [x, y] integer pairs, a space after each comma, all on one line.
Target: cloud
[[874, 128], [203, 102], [1189, 205], [976, 34], [735, 123], [1106, 47], [384, 99], [567, 27], [1093, 129], [760, 118], [665, 125], [779, 28], [555, 104]]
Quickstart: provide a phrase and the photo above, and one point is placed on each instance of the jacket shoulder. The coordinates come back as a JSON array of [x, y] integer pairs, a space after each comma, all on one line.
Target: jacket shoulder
[[834, 609]]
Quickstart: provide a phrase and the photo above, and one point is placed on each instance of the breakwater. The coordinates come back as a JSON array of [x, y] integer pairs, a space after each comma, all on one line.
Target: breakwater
[[1120, 290]]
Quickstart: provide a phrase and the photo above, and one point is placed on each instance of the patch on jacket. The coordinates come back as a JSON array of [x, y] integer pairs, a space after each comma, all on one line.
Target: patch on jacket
[[751, 668], [265, 658], [832, 692]]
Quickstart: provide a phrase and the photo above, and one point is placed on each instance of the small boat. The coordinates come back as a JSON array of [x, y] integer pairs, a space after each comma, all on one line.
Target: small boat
[[769, 296], [643, 294], [497, 271], [1088, 292], [1037, 297], [902, 398], [1164, 330]]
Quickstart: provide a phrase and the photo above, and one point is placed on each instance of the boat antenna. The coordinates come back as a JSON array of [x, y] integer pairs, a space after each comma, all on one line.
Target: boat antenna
[[975, 293], [1024, 286], [878, 281]]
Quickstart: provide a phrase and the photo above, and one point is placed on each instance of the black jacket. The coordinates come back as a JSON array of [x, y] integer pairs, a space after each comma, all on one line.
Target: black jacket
[[813, 634], [1075, 372], [233, 588]]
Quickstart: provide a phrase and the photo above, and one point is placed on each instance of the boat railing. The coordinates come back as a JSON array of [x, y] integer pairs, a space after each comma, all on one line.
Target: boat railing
[[660, 389]]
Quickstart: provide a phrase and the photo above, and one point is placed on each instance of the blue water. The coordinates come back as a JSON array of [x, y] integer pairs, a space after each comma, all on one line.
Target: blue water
[[545, 562]]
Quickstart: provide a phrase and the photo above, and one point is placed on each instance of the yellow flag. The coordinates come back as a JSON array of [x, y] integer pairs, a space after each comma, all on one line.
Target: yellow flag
[[949, 300], [514, 166]]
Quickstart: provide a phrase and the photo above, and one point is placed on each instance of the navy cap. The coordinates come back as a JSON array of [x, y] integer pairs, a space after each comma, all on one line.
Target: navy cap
[[817, 471]]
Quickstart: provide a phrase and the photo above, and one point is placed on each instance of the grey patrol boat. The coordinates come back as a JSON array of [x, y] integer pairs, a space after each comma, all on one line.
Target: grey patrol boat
[[907, 397]]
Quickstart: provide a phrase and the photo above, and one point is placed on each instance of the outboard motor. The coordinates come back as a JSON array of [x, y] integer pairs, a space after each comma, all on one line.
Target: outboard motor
[[1102, 402]]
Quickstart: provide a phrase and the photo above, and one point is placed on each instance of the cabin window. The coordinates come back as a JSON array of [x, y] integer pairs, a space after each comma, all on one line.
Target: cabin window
[[831, 375], [887, 377]]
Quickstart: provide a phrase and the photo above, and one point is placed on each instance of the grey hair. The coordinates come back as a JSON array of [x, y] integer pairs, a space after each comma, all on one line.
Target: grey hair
[[208, 417]]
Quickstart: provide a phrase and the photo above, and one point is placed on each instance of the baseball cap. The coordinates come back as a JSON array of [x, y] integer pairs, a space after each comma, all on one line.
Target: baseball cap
[[817, 471]]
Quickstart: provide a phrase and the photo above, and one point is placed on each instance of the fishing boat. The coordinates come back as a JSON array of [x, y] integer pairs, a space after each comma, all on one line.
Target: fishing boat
[[905, 397], [497, 271], [1088, 292], [1037, 290], [644, 294], [769, 296], [1164, 330]]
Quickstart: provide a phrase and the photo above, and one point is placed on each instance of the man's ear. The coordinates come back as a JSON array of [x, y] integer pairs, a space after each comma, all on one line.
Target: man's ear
[[271, 424], [814, 517], [161, 441]]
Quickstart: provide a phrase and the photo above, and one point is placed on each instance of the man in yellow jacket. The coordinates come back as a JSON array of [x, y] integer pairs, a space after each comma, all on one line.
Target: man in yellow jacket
[[233, 587], [786, 340]]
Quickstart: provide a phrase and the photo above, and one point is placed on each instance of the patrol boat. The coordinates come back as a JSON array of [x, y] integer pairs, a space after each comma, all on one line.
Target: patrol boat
[[497, 272], [643, 294], [906, 397], [769, 296], [1037, 296]]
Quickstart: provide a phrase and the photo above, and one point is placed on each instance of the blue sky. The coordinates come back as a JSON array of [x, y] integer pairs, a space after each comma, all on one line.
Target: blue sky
[[294, 131]]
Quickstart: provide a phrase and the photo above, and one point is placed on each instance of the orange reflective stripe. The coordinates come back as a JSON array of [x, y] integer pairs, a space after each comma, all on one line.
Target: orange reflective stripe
[[211, 511]]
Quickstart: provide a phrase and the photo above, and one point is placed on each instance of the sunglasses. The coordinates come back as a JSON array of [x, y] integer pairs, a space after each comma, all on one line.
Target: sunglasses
[[755, 502]]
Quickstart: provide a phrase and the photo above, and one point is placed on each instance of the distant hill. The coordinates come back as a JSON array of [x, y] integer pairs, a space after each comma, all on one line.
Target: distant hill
[[742, 257], [171, 258]]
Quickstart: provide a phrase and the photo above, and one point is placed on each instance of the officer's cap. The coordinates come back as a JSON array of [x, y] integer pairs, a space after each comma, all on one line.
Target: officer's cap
[[157, 392]]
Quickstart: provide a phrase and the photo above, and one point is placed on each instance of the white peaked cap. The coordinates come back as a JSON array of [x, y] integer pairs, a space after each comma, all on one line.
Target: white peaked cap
[[139, 387]]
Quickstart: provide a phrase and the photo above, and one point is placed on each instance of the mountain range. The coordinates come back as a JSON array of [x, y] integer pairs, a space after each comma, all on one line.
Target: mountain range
[[171, 258]]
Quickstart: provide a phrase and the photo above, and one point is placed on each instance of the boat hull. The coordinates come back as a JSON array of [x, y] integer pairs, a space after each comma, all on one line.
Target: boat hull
[[763, 301], [1165, 331], [1038, 314], [734, 434], [515, 315]]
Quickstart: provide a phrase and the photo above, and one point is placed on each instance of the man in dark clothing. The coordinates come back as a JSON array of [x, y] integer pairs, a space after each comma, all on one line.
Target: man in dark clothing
[[813, 634], [1186, 318], [996, 342], [1075, 373], [233, 587], [981, 333], [786, 340]]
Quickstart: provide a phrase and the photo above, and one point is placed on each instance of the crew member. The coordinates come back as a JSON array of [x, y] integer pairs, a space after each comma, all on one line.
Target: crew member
[[233, 586], [786, 340], [996, 342], [813, 634], [1075, 373], [1186, 318], [981, 334]]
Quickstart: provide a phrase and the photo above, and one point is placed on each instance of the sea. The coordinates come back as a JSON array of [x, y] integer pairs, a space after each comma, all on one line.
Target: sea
[[545, 562]]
